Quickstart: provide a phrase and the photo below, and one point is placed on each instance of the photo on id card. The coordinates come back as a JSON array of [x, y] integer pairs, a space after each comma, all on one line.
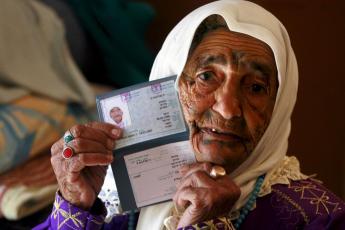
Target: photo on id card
[[155, 141]]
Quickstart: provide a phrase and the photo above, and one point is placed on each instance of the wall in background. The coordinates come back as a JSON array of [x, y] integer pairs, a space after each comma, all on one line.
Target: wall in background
[[317, 32]]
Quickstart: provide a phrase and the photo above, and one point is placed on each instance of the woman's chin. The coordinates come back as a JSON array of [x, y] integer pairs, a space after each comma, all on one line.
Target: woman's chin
[[217, 152]]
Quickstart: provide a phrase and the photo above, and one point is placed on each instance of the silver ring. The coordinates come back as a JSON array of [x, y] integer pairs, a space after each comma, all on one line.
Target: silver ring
[[217, 171]]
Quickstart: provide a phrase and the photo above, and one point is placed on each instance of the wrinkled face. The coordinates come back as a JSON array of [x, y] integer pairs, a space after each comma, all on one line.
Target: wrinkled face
[[116, 114], [227, 90]]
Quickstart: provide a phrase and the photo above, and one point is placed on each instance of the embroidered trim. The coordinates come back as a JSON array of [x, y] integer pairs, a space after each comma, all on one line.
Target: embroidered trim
[[316, 196], [65, 215], [223, 223], [293, 203], [288, 169]]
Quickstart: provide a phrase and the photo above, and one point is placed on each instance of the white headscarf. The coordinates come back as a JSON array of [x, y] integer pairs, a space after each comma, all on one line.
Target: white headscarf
[[247, 18]]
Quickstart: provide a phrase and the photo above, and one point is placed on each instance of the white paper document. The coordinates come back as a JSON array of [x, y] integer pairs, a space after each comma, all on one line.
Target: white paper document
[[153, 173]]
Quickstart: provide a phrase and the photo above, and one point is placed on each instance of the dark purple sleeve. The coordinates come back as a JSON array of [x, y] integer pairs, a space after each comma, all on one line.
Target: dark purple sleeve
[[304, 204], [317, 206], [335, 220]]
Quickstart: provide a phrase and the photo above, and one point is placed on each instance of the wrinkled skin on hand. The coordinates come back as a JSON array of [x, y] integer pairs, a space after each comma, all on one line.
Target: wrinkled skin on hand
[[81, 177], [204, 197]]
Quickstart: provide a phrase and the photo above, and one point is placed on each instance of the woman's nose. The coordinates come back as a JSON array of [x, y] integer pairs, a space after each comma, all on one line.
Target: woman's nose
[[227, 101]]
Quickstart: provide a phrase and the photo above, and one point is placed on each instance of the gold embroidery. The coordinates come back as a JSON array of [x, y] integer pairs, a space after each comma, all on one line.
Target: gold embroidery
[[56, 208], [66, 216], [294, 204], [223, 223], [316, 196], [69, 216], [62, 216]]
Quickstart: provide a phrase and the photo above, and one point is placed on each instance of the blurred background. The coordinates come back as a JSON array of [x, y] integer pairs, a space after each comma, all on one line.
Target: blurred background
[[56, 55]]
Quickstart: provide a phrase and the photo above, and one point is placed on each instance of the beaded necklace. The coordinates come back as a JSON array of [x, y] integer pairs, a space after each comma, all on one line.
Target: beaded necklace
[[131, 220], [248, 206]]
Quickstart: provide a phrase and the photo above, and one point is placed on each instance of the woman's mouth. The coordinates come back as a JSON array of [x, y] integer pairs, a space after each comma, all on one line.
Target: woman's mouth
[[221, 135]]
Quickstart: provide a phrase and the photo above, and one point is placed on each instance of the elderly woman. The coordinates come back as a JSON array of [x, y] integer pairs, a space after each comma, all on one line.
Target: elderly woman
[[237, 83]]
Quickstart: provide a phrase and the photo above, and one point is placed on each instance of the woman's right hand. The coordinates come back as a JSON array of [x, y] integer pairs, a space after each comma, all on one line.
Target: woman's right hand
[[81, 177]]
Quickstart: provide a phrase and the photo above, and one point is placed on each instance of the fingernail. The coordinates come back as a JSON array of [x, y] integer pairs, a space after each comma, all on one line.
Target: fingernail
[[115, 132]]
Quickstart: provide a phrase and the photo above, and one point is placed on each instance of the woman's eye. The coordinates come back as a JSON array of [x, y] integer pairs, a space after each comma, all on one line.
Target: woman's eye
[[205, 76], [257, 88]]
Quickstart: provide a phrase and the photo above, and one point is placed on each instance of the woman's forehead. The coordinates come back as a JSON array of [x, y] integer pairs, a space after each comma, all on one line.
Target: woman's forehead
[[219, 43], [238, 41]]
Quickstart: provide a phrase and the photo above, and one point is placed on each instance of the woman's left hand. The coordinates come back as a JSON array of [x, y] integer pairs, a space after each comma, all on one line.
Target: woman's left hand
[[202, 196]]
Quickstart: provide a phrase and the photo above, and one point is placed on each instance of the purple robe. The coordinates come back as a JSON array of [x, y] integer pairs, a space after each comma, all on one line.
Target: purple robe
[[304, 204]]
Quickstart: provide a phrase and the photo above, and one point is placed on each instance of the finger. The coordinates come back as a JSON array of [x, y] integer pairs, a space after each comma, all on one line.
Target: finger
[[190, 196], [197, 211], [80, 161], [187, 170], [196, 203], [197, 179], [96, 172], [228, 182], [58, 167], [110, 130], [90, 133], [57, 147], [80, 145], [99, 172], [75, 164], [95, 177], [179, 198]]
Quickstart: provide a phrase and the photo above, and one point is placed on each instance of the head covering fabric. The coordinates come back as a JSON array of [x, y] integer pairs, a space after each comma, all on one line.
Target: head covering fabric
[[269, 156], [247, 18]]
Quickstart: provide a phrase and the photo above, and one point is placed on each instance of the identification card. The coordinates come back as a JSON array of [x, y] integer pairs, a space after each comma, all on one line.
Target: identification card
[[154, 144]]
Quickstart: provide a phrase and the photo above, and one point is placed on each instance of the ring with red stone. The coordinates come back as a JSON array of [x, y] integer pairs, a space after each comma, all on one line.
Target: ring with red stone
[[67, 152]]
